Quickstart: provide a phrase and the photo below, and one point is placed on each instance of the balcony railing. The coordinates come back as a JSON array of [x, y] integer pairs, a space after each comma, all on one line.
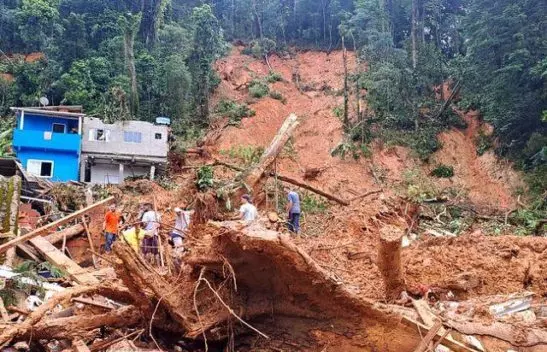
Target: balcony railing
[[46, 140]]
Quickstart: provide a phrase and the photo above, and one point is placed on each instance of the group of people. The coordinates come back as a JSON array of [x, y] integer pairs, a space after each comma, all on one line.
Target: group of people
[[248, 211], [142, 235]]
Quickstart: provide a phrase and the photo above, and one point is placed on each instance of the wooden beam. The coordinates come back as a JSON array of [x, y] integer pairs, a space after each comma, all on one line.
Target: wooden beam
[[21, 239], [90, 240], [59, 259], [423, 346]]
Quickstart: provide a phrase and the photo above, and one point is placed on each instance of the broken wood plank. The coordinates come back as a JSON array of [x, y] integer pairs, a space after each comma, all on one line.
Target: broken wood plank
[[67, 233], [28, 251], [310, 188], [453, 345], [424, 344], [21, 239], [59, 259]]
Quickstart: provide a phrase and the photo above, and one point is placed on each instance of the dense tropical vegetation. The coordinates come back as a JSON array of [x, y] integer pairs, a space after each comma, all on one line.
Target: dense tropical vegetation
[[146, 58]]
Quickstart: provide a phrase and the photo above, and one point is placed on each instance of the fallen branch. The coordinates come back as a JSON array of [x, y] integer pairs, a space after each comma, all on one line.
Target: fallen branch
[[24, 328], [365, 195], [309, 188]]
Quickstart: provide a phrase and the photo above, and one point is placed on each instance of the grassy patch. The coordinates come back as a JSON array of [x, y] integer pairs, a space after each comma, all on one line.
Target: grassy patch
[[484, 143], [312, 204], [205, 177]]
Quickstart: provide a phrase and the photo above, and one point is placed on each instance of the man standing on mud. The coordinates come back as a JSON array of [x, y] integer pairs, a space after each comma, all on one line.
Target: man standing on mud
[[293, 207], [150, 221], [110, 227]]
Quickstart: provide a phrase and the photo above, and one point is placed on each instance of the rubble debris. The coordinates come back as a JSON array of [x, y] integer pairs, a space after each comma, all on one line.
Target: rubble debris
[[21, 239], [511, 306]]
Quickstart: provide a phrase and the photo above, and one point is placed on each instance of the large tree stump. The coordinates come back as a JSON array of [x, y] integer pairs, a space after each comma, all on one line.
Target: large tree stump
[[389, 261]]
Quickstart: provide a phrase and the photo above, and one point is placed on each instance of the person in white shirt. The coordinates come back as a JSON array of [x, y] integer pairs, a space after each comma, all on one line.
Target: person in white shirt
[[150, 220], [247, 211], [182, 223]]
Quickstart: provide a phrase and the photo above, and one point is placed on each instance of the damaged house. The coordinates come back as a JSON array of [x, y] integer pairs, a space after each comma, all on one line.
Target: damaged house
[[112, 152]]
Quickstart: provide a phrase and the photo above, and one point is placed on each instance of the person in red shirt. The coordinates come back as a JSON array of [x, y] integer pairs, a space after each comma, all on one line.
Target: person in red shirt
[[110, 226]]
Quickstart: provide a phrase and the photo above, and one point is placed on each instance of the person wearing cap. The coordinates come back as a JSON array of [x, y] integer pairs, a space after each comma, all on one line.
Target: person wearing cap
[[247, 211]]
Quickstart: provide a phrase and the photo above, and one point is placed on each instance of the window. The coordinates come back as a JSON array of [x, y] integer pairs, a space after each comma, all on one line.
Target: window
[[132, 137], [41, 168], [158, 135], [99, 134], [59, 128]]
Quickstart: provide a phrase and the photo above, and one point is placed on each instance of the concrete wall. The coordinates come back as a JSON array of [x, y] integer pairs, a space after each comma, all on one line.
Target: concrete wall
[[109, 173], [149, 146]]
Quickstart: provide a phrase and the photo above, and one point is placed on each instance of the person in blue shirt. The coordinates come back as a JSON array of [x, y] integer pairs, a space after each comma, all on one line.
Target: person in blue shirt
[[293, 207]]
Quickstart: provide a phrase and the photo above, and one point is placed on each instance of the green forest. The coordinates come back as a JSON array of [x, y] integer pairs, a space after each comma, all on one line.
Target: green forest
[[142, 59]]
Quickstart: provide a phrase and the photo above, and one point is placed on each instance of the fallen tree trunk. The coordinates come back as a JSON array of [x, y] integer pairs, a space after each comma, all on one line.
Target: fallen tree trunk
[[44, 229], [69, 233], [253, 175], [79, 326], [389, 261], [518, 336], [310, 188]]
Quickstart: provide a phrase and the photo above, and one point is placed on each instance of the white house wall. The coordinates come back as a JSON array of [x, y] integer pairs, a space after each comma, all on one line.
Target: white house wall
[[109, 173], [148, 147]]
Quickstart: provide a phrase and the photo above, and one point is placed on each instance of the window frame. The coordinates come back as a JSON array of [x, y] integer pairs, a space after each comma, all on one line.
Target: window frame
[[105, 135], [58, 124], [132, 134], [156, 134], [41, 161]]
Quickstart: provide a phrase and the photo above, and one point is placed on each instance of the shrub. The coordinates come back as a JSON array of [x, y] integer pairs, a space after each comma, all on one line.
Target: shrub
[[278, 96], [234, 111], [273, 77], [204, 178], [248, 154], [313, 204], [443, 171], [483, 143], [258, 89], [338, 111]]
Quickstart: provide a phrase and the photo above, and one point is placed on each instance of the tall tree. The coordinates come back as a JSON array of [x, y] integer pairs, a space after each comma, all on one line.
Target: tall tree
[[207, 44], [129, 25]]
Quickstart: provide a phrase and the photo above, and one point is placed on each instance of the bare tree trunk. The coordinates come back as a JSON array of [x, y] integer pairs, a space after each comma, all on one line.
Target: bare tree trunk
[[413, 35], [346, 93], [129, 40], [389, 261], [257, 19], [12, 193]]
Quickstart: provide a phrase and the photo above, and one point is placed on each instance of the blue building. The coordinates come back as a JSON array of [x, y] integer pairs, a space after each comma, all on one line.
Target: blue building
[[47, 141]]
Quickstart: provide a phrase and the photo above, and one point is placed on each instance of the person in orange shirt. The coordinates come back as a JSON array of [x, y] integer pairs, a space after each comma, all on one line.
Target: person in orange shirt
[[110, 226]]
